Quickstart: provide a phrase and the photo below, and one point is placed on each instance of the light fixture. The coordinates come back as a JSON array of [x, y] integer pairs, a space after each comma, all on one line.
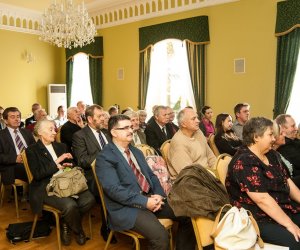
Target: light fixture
[[67, 25]]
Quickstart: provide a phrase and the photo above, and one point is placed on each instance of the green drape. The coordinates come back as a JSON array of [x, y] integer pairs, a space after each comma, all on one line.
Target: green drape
[[96, 79], [194, 29], [69, 80], [196, 60], [288, 33], [144, 72], [95, 53], [286, 65]]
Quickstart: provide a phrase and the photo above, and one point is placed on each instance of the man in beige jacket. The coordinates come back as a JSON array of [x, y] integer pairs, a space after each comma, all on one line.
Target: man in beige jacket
[[189, 145]]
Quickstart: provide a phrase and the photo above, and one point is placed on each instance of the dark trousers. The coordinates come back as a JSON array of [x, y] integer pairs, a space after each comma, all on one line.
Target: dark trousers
[[278, 235], [72, 209], [148, 225]]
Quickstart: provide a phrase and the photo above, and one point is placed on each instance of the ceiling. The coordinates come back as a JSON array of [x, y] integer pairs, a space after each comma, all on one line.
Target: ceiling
[[40, 5]]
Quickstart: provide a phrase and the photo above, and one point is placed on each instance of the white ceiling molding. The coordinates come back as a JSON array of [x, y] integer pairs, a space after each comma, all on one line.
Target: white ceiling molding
[[27, 21]]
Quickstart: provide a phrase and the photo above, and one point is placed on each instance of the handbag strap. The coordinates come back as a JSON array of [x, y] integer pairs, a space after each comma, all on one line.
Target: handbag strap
[[216, 229], [254, 223]]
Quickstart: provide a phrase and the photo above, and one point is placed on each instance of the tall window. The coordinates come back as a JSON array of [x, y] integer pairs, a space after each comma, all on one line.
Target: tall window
[[169, 80], [81, 88], [294, 104]]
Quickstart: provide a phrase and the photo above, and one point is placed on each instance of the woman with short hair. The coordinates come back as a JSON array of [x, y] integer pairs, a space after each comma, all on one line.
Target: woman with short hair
[[225, 139], [258, 181], [46, 158]]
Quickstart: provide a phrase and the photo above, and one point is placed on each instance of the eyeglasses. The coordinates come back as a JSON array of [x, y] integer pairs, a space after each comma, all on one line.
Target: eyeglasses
[[124, 128]]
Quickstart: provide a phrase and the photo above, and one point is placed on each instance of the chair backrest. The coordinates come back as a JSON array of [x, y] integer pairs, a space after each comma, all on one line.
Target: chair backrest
[[100, 189], [164, 149], [146, 149], [212, 145], [221, 166], [27, 169]]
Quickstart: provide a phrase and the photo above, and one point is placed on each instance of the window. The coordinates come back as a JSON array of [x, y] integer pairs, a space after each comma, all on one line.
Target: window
[[293, 108], [169, 80], [81, 87]]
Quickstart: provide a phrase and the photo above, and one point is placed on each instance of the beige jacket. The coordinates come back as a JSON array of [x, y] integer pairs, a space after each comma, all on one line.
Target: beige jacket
[[185, 151]]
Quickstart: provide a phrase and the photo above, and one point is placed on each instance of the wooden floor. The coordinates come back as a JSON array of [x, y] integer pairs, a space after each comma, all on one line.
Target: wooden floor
[[8, 215]]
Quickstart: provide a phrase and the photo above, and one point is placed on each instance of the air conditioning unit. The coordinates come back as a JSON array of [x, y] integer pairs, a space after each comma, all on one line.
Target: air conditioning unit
[[57, 95]]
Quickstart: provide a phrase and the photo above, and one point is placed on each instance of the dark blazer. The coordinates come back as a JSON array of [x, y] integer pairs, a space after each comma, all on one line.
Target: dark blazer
[[29, 120], [8, 154], [142, 137], [121, 189], [86, 147], [66, 133], [155, 137], [42, 168]]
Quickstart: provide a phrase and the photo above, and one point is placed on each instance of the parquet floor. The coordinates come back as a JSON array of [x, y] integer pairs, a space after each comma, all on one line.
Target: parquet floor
[[8, 215]]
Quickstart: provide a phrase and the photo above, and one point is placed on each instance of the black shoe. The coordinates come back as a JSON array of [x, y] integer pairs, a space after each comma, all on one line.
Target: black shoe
[[104, 233], [65, 235], [80, 238]]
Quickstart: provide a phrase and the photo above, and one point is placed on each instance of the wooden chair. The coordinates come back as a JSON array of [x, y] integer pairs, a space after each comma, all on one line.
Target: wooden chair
[[212, 145], [203, 226], [48, 208], [57, 137], [17, 183], [164, 149], [146, 149], [167, 223]]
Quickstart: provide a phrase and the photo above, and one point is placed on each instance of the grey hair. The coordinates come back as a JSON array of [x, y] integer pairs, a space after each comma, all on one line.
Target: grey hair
[[40, 126], [181, 115], [131, 114], [158, 108], [141, 112], [70, 110], [281, 119]]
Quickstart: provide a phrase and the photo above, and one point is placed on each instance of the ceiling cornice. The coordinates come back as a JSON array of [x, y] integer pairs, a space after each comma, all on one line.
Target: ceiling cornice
[[27, 21]]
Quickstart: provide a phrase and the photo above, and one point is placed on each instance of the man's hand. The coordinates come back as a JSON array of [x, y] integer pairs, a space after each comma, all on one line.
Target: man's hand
[[19, 159], [155, 202]]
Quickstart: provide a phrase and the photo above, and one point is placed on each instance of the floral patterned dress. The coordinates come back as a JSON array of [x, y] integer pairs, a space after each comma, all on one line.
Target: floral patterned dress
[[247, 173]]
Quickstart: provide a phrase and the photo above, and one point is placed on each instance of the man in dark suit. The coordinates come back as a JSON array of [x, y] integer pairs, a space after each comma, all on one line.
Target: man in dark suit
[[86, 144], [31, 119], [13, 141], [139, 136], [73, 125], [159, 130], [133, 195]]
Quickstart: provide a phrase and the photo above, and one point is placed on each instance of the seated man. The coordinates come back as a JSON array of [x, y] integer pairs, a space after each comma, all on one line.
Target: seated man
[[171, 114], [291, 149], [38, 114], [31, 119], [138, 136], [242, 115], [159, 130], [61, 118], [189, 145], [133, 195], [12, 142], [2, 122], [73, 125]]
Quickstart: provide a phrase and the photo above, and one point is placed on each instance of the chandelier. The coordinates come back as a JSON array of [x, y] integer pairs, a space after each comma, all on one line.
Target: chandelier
[[67, 25]]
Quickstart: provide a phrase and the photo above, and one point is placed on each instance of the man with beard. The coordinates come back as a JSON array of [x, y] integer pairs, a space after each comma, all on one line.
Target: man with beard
[[86, 144]]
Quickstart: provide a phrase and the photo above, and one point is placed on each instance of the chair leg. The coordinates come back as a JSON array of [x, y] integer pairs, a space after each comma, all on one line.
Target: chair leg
[[171, 238], [16, 200], [90, 225], [2, 194], [137, 243], [33, 226], [57, 230], [109, 239]]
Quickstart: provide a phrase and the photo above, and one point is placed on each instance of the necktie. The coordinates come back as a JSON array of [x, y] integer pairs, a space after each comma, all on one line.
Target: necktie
[[19, 142], [140, 178], [102, 141], [164, 131]]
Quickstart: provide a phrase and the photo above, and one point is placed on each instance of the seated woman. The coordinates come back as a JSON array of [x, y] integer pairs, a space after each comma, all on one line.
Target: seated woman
[[257, 181], [225, 139], [206, 125], [45, 158]]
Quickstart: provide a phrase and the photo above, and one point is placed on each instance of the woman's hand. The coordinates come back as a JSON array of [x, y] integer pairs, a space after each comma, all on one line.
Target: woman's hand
[[294, 230], [63, 157]]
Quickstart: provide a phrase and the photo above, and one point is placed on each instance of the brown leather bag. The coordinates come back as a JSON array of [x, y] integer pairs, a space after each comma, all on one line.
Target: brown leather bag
[[68, 183]]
